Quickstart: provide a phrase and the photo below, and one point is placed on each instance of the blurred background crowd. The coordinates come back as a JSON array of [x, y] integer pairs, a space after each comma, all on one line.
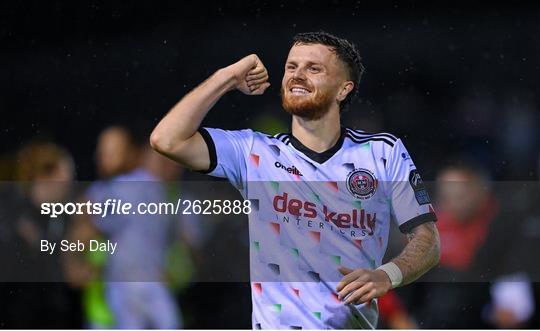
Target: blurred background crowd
[[83, 83]]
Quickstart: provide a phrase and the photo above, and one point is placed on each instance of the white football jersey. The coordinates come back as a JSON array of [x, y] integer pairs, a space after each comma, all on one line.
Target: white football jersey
[[315, 212]]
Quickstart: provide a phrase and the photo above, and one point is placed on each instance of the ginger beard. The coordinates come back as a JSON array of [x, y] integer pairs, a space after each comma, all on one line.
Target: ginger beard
[[310, 106]]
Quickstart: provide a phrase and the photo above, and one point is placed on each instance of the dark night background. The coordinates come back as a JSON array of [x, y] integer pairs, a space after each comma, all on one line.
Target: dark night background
[[455, 80]]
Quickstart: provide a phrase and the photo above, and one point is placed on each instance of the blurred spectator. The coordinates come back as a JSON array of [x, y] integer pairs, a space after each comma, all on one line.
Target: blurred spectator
[[44, 173], [475, 247], [465, 209], [134, 274]]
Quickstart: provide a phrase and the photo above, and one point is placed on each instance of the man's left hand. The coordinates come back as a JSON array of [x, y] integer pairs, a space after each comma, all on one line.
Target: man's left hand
[[362, 285]]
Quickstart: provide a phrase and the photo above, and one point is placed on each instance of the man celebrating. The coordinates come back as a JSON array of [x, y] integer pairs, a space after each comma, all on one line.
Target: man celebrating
[[323, 195]]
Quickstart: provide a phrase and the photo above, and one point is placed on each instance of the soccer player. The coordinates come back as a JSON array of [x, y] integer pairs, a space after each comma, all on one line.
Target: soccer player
[[323, 195]]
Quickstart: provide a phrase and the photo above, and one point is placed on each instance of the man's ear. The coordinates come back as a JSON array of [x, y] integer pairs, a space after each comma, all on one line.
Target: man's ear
[[346, 88]]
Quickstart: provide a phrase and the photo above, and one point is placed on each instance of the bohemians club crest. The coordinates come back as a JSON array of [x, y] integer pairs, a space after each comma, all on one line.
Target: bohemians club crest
[[361, 183]]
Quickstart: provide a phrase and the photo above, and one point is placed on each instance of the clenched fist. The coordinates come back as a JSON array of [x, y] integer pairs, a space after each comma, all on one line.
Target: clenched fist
[[251, 77]]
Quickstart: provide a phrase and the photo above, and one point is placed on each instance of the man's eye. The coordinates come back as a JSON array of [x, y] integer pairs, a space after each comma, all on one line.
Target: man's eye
[[290, 67], [314, 69]]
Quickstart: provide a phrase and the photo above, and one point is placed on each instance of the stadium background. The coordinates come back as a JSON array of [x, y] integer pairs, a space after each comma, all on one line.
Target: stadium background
[[456, 81]]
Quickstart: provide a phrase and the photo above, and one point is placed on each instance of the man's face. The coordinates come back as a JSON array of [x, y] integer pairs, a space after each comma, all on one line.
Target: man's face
[[460, 194], [312, 82], [113, 152]]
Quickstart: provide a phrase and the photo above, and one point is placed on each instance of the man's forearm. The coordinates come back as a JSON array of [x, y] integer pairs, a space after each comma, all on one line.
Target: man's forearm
[[186, 116], [421, 253]]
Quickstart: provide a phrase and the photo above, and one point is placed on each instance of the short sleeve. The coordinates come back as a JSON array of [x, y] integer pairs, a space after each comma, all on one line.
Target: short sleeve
[[411, 205], [228, 151]]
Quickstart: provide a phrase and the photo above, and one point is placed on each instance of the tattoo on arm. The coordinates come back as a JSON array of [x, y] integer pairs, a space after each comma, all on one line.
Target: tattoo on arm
[[420, 254]]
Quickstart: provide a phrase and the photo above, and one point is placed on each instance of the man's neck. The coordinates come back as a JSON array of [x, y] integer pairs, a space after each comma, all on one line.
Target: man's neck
[[318, 135]]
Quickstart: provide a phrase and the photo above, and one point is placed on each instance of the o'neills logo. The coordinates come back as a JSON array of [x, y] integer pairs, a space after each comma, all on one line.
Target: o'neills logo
[[291, 170]]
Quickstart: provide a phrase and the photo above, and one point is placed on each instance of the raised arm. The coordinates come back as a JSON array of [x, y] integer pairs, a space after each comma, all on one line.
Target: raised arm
[[176, 134]]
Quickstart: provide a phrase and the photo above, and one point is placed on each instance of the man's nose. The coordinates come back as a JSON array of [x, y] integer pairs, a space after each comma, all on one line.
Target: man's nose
[[299, 74]]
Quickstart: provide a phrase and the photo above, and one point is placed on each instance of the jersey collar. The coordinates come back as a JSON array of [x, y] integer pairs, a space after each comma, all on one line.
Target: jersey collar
[[316, 156]]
